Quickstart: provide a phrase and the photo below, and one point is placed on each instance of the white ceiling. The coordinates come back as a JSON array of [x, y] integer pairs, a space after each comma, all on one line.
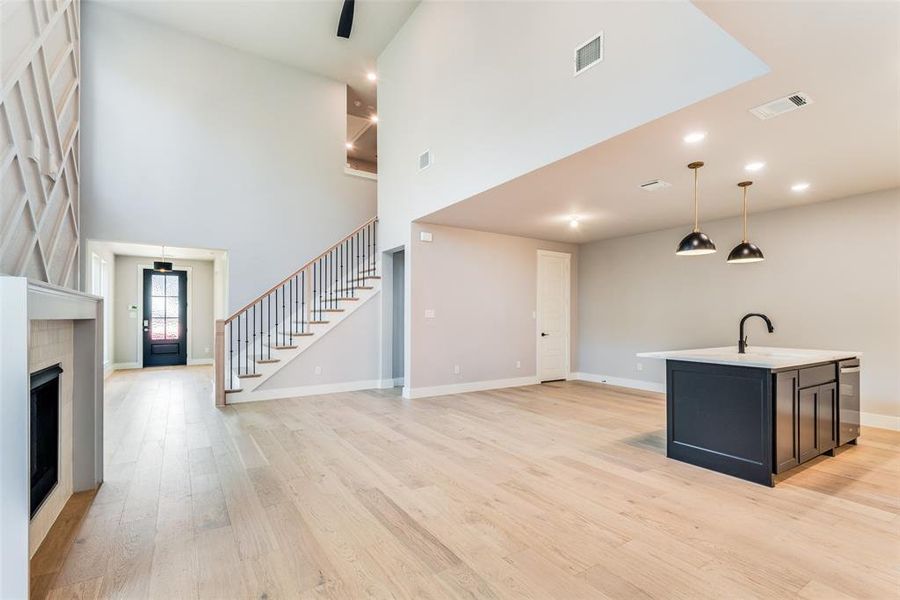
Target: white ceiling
[[152, 251], [301, 33], [845, 55]]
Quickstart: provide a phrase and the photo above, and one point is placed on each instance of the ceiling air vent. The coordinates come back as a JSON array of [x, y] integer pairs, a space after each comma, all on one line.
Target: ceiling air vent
[[425, 160], [589, 54], [781, 106], [656, 184]]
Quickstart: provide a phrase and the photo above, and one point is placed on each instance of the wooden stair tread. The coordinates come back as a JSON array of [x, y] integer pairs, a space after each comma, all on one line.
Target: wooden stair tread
[[265, 361], [285, 347], [334, 310], [319, 322], [248, 375], [234, 391]]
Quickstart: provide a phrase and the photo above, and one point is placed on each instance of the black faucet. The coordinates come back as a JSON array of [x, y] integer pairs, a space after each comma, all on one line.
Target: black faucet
[[742, 342]]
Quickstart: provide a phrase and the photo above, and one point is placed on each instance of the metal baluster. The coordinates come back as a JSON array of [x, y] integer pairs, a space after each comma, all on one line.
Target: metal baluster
[[283, 339], [269, 326], [297, 291], [290, 307], [254, 338], [374, 247], [246, 345], [303, 301], [230, 355]]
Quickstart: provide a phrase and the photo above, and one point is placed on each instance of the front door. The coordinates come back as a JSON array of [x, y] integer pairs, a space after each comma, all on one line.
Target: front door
[[165, 318], [553, 315]]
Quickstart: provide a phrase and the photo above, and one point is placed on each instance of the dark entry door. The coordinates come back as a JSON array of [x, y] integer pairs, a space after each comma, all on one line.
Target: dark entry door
[[165, 318]]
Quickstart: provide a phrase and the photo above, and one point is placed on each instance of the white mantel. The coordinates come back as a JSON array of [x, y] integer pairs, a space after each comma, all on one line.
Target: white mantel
[[22, 301]]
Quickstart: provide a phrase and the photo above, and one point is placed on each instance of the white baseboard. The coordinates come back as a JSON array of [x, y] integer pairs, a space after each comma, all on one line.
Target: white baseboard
[[128, 365], [305, 390], [866, 418], [881, 421], [637, 384], [463, 388], [199, 361], [387, 384]]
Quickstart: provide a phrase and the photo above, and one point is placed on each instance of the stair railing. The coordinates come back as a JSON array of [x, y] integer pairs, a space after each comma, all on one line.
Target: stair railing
[[285, 312]]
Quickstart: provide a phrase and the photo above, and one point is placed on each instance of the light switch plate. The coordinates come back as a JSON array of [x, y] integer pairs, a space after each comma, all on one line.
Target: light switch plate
[[425, 236], [429, 313]]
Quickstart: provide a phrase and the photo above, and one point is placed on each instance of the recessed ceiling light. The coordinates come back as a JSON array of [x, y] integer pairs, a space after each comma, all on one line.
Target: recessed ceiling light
[[374, 118], [349, 145], [694, 137], [573, 221], [754, 166], [371, 76], [800, 187]]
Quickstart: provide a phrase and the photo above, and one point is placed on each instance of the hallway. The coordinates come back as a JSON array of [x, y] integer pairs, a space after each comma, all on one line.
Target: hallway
[[559, 490]]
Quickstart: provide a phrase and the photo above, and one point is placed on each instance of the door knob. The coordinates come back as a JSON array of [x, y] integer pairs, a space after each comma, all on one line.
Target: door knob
[[544, 334]]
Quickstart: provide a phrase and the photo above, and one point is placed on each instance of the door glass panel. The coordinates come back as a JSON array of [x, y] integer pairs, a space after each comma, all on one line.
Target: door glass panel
[[171, 308], [172, 285], [158, 307], [158, 285], [171, 329], [158, 329]]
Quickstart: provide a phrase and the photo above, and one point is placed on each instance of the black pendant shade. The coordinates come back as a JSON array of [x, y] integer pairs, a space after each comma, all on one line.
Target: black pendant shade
[[745, 252], [162, 266], [696, 242]]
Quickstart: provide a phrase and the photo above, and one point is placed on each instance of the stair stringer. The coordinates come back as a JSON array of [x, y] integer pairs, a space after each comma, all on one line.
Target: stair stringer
[[252, 387]]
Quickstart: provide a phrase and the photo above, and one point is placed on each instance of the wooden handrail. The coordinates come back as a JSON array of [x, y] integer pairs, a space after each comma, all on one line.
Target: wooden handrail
[[298, 271]]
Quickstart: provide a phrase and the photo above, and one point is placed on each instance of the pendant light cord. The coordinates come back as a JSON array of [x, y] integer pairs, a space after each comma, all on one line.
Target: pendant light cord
[[696, 205], [745, 214]]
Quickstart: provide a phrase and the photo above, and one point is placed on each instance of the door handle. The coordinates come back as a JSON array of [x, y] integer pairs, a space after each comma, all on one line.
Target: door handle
[[544, 334]]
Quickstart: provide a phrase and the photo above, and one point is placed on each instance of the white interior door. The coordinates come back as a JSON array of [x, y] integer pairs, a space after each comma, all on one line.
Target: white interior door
[[553, 315]]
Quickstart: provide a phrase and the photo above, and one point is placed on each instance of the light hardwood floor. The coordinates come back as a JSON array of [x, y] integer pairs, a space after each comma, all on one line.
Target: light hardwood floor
[[554, 491]]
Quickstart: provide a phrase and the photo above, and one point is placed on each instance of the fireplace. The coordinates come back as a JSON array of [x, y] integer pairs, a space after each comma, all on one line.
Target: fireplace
[[44, 443]]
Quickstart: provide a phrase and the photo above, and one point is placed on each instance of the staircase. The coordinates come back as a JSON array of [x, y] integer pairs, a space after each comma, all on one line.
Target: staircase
[[259, 339]]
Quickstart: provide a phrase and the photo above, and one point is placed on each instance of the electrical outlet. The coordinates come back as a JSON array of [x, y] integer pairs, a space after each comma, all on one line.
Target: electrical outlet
[[318, 370], [206, 350], [518, 364], [640, 366], [456, 369]]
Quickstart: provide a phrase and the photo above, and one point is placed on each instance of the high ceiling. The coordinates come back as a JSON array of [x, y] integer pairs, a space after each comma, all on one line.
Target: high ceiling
[[300, 33], [845, 55]]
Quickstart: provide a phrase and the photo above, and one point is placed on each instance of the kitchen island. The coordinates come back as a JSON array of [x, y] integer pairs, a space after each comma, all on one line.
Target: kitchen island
[[760, 413]]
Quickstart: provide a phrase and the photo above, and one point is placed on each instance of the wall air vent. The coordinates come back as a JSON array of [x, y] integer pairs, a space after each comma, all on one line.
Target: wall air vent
[[589, 54], [425, 160], [781, 106], [656, 184]]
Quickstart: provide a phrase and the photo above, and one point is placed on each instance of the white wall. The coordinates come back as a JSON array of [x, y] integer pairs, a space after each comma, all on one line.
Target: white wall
[[128, 333], [831, 280], [190, 143], [488, 87], [483, 289]]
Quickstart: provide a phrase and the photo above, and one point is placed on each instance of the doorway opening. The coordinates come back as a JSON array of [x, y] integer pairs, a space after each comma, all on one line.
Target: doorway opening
[[398, 329], [553, 319]]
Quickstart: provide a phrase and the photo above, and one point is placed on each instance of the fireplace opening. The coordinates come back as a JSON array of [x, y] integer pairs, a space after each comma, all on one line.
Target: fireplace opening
[[44, 434]]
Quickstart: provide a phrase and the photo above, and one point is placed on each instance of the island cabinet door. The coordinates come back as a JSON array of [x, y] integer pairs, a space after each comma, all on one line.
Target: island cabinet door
[[807, 423], [787, 452], [825, 417]]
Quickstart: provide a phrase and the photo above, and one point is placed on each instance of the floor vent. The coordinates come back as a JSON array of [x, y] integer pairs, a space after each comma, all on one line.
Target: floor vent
[[589, 53], [425, 160], [781, 106]]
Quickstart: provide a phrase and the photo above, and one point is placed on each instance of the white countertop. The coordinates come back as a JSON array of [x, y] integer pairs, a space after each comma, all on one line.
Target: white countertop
[[756, 356]]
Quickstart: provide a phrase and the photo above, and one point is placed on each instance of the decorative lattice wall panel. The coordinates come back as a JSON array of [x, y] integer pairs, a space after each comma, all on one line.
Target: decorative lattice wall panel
[[39, 118]]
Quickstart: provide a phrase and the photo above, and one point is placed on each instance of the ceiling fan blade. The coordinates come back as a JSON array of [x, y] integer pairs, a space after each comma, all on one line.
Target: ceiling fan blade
[[345, 25]]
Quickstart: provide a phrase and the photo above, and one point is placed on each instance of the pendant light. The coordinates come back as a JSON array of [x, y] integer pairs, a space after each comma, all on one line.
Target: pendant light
[[745, 252], [696, 242], [162, 265]]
